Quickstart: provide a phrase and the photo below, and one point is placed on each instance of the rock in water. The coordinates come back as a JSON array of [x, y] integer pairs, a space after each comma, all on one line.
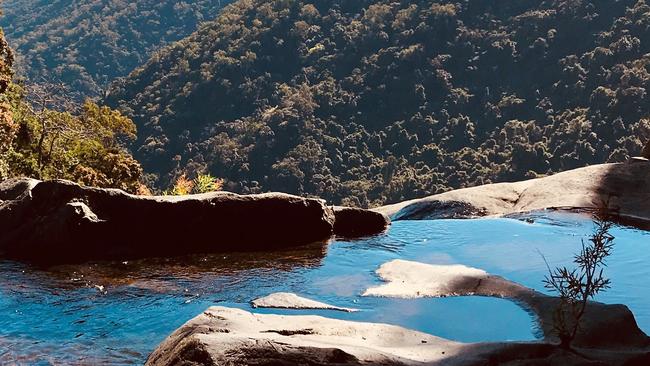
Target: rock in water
[[603, 325], [356, 222], [59, 222], [287, 300], [407, 279], [226, 336]]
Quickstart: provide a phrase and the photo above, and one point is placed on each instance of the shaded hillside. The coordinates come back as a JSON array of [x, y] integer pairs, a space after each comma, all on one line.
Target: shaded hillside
[[88, 43], [364, 102], [45, 135]]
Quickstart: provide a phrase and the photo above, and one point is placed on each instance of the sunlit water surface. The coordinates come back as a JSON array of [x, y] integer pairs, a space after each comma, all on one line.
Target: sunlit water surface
[[116, 313]]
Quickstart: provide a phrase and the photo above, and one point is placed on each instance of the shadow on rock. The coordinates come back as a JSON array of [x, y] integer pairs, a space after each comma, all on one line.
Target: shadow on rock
[[62, 222], [625, 188], [625, 185]]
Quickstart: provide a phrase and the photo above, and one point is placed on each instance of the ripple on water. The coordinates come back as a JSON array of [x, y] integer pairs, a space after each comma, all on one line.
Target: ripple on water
[[116, 313]]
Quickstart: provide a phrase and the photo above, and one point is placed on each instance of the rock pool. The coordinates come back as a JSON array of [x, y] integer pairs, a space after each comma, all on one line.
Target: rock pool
[[116, 313]]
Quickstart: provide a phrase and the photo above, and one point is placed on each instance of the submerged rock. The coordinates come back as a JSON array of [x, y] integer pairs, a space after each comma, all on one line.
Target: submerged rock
[[625, 186], [287, 300], [59, 222], [356, 222]]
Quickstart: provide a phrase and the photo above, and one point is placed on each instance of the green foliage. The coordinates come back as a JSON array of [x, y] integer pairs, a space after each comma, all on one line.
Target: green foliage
[[375, 101], [87, 146], [577, 286], [6, 63], [203, 183], [88, 43], [8, 127]]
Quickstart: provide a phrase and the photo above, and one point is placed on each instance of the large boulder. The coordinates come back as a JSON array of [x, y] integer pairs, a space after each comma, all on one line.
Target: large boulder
[[227, 336], [625, 187], [353, 222], [59, 221]]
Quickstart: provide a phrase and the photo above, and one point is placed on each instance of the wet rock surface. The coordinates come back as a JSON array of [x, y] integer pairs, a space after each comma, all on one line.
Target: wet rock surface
[[59, 222], [439, 210]]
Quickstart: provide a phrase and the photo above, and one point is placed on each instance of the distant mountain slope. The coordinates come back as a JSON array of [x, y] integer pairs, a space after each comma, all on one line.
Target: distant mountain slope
[[365, 102], [88, 43]]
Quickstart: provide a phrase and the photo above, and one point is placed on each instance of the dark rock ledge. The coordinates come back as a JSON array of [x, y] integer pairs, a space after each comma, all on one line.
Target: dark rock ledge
[[62, 222]]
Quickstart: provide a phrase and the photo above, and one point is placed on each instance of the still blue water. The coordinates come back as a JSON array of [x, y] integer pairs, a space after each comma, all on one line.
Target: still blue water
[[116, 313]]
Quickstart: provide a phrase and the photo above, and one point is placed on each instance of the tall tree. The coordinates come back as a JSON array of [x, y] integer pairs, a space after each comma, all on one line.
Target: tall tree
[[7, 125]]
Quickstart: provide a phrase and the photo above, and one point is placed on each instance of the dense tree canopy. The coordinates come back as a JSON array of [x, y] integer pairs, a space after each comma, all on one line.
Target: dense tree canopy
[[84, 143], [44, 135], [7, 125], [88, 43], [365, 102]]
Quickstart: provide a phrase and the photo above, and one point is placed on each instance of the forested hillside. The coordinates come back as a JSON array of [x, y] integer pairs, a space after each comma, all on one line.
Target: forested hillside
[[364, 102], [45, 135], [88, 43]]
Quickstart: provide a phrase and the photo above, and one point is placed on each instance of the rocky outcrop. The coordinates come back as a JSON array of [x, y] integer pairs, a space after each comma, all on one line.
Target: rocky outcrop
[[287, 300], [59, 221], [227, 336], [625, 186], [356, 222], [603, 325]]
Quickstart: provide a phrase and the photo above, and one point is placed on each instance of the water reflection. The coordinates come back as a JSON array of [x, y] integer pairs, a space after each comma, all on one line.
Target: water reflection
[[156, 274], [116, 313]]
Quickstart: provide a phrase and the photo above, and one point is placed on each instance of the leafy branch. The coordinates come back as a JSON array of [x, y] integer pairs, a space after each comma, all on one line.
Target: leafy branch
[[576, 286]]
